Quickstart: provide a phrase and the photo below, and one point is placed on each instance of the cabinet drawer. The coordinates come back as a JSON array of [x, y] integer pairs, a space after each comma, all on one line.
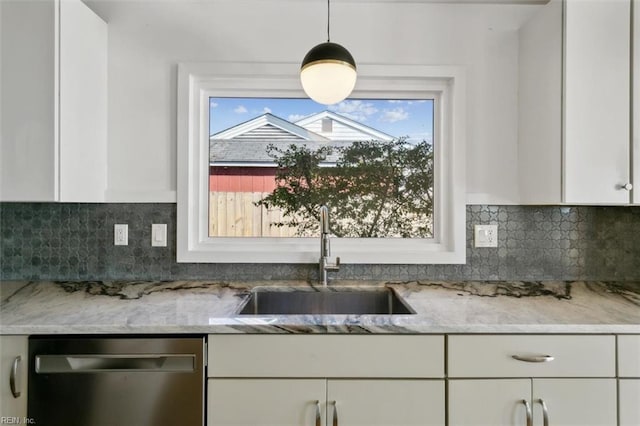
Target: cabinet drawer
[[629, 356], [326, 356], [493, 356]]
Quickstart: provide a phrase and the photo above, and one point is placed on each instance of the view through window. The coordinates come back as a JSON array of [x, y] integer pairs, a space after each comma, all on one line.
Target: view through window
[[274, 161]]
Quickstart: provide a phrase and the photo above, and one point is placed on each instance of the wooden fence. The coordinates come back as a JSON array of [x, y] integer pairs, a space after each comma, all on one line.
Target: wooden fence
[[234, 214]]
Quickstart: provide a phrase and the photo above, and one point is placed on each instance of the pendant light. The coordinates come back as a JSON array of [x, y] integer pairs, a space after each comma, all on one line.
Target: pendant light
[[328, 72]]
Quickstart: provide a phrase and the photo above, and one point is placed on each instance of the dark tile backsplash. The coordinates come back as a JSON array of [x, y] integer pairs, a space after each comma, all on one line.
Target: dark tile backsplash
[[50, 241]]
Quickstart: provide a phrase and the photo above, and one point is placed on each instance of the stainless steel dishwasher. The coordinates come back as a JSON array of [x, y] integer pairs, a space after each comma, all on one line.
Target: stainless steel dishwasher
[[116, 381]]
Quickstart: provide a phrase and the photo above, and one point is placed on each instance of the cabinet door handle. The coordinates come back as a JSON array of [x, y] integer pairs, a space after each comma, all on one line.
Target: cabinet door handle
[[318, 418], [533, 358], [335, 413], [626, 187], [14, 378], [527, 407], [545, 412]]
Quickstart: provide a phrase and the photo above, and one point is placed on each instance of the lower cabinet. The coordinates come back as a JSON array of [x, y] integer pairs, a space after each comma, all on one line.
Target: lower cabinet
[[629, 382], [326, 380], [629, 397], [497, 402], [317, 402], [14, 358], [541, 380], [384, 380]]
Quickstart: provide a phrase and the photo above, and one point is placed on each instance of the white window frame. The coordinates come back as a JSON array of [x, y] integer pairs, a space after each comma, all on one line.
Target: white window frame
[[197, 82]]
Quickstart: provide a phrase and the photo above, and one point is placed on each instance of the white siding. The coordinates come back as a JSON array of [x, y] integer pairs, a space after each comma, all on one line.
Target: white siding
[[341, 132], [267, 132]]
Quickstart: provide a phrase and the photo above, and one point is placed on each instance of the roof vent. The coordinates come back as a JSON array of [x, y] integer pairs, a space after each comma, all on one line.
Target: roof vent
[[327, 125]]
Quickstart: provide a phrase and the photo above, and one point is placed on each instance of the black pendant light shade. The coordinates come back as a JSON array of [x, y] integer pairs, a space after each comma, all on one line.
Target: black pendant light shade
[[328, 71], [328, 51]]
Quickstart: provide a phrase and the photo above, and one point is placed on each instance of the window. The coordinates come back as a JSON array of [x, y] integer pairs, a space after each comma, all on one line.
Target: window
[[212, 162], [274, 161]]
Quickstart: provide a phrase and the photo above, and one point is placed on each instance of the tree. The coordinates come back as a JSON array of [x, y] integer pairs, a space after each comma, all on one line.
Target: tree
[[375, 189]]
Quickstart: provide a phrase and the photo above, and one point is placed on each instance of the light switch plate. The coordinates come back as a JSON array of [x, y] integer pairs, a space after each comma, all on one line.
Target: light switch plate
[[485, 235], [121, 234], [159, 234]]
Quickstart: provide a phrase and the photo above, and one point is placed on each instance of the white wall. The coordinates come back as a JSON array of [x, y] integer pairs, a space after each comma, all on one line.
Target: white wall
[[147, 40]]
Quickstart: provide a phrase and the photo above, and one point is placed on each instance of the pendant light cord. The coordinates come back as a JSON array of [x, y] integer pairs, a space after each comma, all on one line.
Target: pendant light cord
[[328, 20]]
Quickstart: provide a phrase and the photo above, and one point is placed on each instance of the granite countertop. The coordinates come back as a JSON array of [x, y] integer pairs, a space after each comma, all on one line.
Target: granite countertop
[[209, 307]]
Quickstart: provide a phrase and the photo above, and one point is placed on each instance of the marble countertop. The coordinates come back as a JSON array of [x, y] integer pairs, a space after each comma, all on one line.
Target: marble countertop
[[209, 307]]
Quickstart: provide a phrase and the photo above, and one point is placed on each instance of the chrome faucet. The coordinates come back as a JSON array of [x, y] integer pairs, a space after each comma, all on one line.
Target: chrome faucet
[[325, 247]]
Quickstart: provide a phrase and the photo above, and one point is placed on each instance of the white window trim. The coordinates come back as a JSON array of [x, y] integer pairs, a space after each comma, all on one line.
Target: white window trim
[[197, 82]]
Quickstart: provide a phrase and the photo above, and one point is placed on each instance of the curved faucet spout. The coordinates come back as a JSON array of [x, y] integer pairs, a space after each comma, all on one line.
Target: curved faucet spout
[[324, 219]]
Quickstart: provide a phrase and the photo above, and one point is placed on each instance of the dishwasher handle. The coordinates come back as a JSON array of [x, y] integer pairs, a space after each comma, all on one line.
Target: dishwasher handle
[[51, 364]]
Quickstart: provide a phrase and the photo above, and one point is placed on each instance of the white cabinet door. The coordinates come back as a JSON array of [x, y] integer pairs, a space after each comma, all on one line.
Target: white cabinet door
[[27, 148], [488, 402], [54, 102], [14, 359], [575, 402], [629, 397], [266, 402], [83, 104], [386, 402], [596, 101]]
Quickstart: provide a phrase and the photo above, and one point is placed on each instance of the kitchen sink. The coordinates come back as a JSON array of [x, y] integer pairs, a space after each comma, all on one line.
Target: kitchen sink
[[329, 301]]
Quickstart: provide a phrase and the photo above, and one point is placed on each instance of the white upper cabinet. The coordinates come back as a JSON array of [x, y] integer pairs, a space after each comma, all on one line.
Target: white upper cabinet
[[596, 101], [53, 144], [574, 130]]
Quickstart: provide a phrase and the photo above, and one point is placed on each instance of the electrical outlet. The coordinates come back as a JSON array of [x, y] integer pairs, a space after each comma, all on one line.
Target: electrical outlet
[[485, 235], [121, 234]]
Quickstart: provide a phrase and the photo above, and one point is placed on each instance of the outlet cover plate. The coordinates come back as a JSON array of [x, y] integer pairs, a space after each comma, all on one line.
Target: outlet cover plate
[[121, 234], [485, 235]]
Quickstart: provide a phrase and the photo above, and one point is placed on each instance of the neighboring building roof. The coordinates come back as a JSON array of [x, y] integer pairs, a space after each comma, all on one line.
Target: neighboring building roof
[[343, 128], [246, 143], [267, 126], [253, 152]]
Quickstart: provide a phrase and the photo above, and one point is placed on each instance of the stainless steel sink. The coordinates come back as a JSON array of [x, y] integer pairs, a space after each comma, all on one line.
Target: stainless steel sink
[[330, 301]]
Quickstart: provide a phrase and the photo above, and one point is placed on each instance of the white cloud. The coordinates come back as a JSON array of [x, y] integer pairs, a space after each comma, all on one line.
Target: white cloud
[[240, 110], [396, 101], [212, 104], [266, 110], [393, 115], [355, 110], [296, 117]]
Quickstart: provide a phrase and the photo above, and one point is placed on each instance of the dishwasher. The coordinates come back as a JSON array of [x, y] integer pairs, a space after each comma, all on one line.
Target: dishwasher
[[116, 381]]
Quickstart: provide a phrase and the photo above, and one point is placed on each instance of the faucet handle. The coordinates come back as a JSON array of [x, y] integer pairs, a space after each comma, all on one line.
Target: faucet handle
[[335, 267]]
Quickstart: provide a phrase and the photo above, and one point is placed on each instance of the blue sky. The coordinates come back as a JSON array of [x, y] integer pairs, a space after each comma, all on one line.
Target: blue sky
[[412, 118]]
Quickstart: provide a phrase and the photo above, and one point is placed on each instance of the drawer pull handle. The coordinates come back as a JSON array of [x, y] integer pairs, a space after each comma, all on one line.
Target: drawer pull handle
[[527, 407], [335, 413], [14, 379], [533, 358], [545, 412], [318, 419]]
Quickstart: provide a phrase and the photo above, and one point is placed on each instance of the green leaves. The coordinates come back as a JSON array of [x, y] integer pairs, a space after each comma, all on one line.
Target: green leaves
[[374, 189]]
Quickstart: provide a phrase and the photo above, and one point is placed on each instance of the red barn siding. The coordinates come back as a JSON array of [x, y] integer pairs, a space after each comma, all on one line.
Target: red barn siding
[[242, 179]]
